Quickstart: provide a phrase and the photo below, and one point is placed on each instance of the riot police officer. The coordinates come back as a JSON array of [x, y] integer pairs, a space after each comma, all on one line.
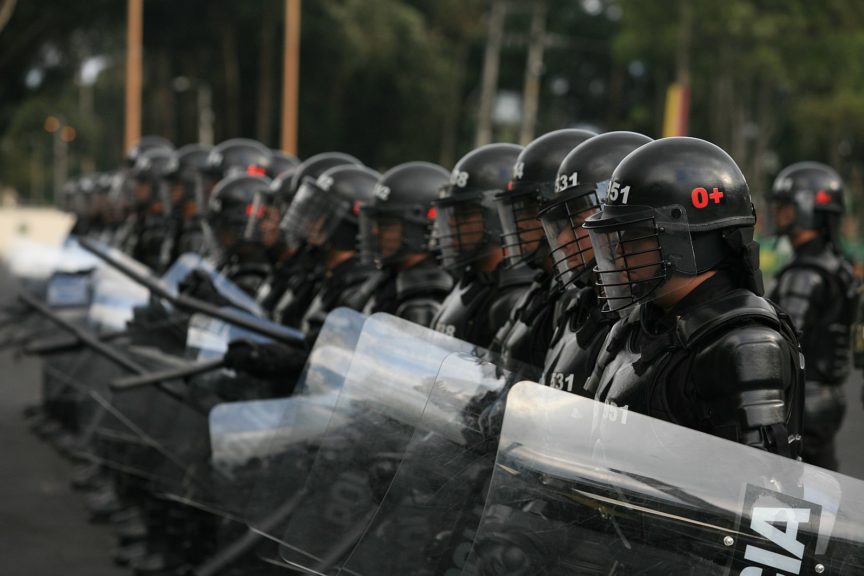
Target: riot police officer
[[234, 214], [818, 290], [467, 232], [580, 190], [699, 347], [152, 205], [325, 214], [394, 234], [526, 334], [188, 233], [289, 291]]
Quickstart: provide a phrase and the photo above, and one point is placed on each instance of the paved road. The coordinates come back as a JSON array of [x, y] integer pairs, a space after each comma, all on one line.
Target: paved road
[[43, 526]]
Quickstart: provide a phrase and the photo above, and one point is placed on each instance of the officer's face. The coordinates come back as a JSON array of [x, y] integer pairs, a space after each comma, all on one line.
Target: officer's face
[[141, 192], [635, 254], [270, 226], [389, 237], [784, 215], [576, 244], [467, 227], [530, 230]]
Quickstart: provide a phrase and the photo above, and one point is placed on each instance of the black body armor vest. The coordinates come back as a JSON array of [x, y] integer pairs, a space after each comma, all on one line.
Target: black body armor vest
[[819, 291], [480, 304], [526, 335], [727, 363], [576, 342]]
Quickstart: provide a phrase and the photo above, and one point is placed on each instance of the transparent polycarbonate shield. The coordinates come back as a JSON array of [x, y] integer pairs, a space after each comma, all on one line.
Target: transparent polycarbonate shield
[[385, 392], [208, 338], [429, 515], [278, 435], [115, 295], [581, 487], [224, 286]]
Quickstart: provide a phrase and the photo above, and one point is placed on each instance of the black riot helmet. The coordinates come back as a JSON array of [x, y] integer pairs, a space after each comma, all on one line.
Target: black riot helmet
[[813, 193], [580, 191], [143, 145], [530, 186], [282, 191], [187, 186], [326, 212], [238, 156], [236, 209], [675, 207], [280, 162], [396, 222], [314, 166], [151, 171], [467, 225]]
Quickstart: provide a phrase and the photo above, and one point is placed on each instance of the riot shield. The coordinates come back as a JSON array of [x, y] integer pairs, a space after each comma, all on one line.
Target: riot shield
[[225, 287], [429, 515], [115, 295], [381, 402], [242, 431], [581, 487]]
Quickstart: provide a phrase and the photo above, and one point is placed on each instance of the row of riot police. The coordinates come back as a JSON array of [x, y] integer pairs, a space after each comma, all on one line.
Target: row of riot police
[[610, 266], [532, 264]]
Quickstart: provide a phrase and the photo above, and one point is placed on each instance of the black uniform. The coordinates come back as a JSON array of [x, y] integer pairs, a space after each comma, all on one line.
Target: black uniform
[[580, 190], [414, 294], [526, 335], [722, 359], [818, 290], [467, 232], [481, 302], [576, 342]]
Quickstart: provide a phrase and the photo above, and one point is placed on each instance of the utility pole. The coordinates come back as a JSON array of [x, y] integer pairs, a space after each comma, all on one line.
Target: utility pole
[[676, 120], [291, 77], [134, 33], [491, 60], [533, 71]]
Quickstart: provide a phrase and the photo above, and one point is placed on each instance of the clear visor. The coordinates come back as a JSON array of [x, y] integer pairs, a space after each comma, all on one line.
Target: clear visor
[[779, 216], [459, 232], [312, 216], [639, 250], [522, 232], [381, 237], [572, 253]]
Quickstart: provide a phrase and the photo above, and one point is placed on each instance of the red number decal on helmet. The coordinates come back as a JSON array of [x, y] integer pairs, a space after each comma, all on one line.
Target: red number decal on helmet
[[699, 197]]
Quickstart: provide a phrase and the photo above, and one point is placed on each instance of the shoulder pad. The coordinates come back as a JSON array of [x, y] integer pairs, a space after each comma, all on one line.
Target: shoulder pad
[[745, 364], [423, 279], [506, 300], [516, 276], [738, 306], [419, 311]]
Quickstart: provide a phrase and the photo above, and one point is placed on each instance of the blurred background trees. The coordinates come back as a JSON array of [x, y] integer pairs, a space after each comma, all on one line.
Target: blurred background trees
[[393, 80]]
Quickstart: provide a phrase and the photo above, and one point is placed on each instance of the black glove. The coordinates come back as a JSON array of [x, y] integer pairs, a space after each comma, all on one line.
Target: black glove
[[269, 361], [198, 284]]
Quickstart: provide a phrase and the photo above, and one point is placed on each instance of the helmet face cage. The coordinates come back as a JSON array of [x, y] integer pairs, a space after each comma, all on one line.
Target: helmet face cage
[[572, 253], [637, 250], [313, 215], [460, 232], [522, 233], [388, 235]]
